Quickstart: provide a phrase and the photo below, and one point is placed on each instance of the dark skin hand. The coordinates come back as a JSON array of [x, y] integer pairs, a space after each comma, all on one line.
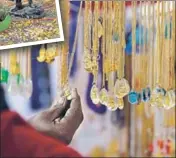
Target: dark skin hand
[[60, 121]]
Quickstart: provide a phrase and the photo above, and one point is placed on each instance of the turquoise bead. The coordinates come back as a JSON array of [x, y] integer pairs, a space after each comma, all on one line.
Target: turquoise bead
[[133, 97]]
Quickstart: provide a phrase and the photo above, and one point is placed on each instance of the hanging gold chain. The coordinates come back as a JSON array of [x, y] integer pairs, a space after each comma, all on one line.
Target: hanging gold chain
[[133, 42]]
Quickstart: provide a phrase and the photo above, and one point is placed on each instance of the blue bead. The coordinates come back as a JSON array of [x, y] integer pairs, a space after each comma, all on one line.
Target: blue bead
[[145, 95], [133, 97]]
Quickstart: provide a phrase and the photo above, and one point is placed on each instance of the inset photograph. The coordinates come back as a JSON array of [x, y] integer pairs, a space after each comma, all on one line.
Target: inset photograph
[[29, 22]]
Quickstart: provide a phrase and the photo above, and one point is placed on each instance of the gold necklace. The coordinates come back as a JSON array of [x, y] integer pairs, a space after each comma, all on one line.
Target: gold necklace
[[146, 55], [103, 93], [122, 87], [87, 38], [94, 93], [111, 98], [67, 65], [169, 100], [158, 92], [133, 96]]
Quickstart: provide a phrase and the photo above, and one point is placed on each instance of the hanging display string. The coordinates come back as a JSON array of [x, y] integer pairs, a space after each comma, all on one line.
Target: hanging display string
[[75, 41]]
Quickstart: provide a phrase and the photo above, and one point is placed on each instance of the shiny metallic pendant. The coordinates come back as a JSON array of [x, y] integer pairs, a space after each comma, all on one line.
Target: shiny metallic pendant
[[169, 99], [133, 97], [42, 55], [122, 88], [146, 94], [157, 97], [94, 94], [111, 103], [103, 97], [67, 92]]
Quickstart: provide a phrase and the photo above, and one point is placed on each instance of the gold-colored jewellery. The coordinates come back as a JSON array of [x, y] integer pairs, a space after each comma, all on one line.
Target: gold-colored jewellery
[[94, 93], [103, 94], [169, 68], [87, 36], [122, 87], [42, 54], [158, 92]]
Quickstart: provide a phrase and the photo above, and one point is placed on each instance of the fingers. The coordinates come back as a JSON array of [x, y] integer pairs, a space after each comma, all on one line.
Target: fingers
[[56, 110], [76, 101], [75, 111]]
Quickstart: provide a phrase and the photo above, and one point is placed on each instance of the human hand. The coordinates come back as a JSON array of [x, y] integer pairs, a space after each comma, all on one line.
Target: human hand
[[50, 121]]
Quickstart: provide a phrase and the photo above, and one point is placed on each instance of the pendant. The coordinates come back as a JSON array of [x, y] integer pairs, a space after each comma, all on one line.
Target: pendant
[[67, 92], [94, 94], [103, 97], [133, 97], [111, 103], [42, 55], [169, 99], [157, 97], [122, 88], [52, 52], [146, 94]]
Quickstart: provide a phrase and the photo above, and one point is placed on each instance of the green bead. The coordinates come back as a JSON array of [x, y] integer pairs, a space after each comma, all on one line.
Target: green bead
[[4, 76]]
